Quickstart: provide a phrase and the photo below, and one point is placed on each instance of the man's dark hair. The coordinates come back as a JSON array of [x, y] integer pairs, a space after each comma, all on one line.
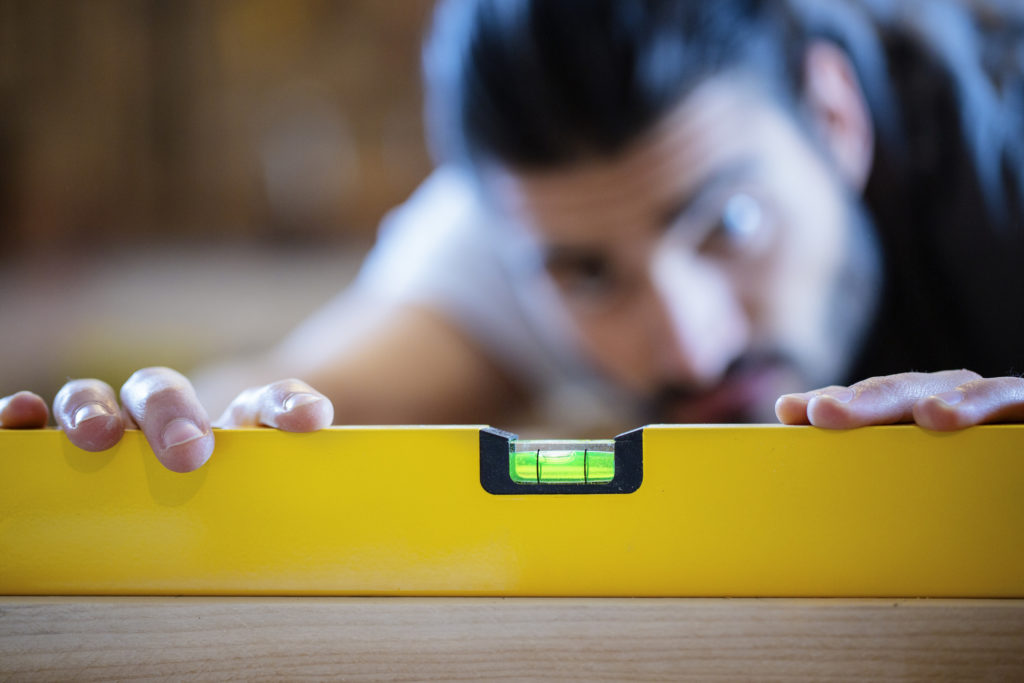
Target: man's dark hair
[[537, 84], [543, 83]]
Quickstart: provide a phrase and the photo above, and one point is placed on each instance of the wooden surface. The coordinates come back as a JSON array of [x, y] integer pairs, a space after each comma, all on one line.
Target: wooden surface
[[55, 638]]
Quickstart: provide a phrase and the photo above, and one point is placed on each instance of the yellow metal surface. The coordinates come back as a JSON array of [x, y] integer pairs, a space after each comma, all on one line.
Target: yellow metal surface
[[722, 511]]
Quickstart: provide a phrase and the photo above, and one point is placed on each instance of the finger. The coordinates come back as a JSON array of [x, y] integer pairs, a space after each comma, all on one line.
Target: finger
[[23, 410], [996, 399], [290, 405], [791, 409], [881, 400], [164, 405], [87, 411]]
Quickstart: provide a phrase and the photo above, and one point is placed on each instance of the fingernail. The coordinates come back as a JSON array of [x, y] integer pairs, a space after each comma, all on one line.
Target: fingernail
[[950, 398], [180, 431], [299, 399], [843, 395], [89, 411]]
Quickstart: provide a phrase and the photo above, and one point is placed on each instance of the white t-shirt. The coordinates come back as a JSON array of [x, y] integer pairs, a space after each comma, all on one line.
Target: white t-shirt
[[445, 250]]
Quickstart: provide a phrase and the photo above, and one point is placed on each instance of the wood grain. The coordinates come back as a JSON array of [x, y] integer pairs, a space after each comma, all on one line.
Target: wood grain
[[509, 638]]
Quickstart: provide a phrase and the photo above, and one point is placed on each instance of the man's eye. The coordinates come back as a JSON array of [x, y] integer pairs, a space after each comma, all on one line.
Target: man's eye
[[737, 227], [586, 278]]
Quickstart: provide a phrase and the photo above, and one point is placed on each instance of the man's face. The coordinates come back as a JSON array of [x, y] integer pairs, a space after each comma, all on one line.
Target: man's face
[[714, 265]]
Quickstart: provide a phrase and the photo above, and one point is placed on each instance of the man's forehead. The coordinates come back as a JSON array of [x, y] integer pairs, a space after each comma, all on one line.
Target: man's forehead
[[707, 131]]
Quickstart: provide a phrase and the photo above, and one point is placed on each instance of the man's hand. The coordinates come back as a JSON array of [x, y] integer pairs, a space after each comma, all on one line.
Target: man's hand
[[952, 399], [163, 404]]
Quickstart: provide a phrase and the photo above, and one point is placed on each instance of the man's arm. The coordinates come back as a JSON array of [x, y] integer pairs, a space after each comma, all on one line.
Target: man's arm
[[405, 364]]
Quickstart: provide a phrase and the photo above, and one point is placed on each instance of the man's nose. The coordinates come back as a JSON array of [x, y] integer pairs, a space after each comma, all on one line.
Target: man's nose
[[704, 327]]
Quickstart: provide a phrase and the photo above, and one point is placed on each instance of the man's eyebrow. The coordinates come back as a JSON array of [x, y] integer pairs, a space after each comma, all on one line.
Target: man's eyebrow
[[723, 176], [557, 256]]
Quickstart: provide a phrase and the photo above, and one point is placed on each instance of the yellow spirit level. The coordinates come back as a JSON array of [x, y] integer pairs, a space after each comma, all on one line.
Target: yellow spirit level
[[665, 510]]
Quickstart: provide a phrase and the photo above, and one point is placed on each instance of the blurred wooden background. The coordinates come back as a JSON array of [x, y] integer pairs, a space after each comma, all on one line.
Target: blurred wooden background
[[212, 119], [186, 179]]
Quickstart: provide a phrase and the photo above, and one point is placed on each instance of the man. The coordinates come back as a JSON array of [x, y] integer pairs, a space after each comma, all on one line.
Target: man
[[680, 208]]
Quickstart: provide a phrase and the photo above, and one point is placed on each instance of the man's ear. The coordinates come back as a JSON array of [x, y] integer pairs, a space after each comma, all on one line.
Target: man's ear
[[839, 111]]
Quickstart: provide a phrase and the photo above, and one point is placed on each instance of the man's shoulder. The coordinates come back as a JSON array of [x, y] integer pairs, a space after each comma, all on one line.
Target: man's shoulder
[[450, 193]]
